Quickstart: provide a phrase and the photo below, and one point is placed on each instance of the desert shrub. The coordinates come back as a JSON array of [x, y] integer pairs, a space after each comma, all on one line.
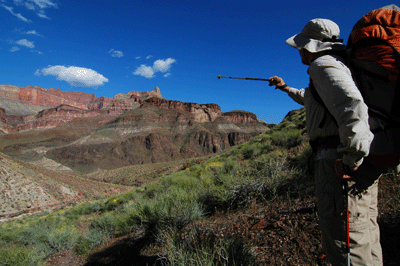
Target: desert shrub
[[278, 154], [19, 256], [92, 207], [86, 208], [196, 170], [63, 238], [152, 189], [113, 203], [108, 224], [237, 186], [266, 146], [88, 240], [230, 166], [125, 220], [304, 161], [48, 234], [233, 153], [200, 248], [10, 231], [168, 212], [264, 180], [287, 139], [101, 205], [183, 180], [36, 233], [250, 151], [117, 201]]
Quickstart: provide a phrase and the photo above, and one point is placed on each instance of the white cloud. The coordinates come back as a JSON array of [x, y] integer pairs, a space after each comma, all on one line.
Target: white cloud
[[75, 76], [18, 15], [33, 32], [42, 3], [29, 6], [137, 57], [145, 71], [25, 42], [158, 66], [14, 49], [149, 56], [116, 53], [41, 14], [38, 6], [163, 65]]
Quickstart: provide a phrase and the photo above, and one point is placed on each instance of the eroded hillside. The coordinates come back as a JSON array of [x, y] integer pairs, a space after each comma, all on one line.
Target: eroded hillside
[[28, 189], [87, 134]]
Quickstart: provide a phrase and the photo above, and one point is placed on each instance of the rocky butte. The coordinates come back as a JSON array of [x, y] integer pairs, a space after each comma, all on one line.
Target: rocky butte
[[85, 133]]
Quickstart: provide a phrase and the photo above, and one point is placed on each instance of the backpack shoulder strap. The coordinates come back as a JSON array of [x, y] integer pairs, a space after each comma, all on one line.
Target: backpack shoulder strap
[[319, 100]]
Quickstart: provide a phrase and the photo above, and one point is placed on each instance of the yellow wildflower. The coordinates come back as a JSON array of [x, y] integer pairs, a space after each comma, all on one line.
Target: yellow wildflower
[[214, 164]]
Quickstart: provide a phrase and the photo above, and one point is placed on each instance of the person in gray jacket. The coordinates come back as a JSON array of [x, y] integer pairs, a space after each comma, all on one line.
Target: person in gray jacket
[[339, 131]]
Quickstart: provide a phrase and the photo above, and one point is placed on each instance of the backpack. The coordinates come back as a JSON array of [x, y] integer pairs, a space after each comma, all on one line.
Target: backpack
[[373, 50]]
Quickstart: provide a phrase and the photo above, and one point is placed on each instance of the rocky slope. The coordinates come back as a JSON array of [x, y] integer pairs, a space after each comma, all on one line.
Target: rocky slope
[[28, 189], [84, 133]]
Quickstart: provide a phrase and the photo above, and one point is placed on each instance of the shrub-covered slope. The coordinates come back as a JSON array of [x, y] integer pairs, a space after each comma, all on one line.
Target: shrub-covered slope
[[250, 205]]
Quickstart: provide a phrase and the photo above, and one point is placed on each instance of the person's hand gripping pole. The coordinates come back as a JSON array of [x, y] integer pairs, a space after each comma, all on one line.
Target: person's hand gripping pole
[[279, 83]]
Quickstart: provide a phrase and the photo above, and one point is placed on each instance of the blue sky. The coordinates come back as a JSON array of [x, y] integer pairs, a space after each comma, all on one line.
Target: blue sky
[[105, 47]]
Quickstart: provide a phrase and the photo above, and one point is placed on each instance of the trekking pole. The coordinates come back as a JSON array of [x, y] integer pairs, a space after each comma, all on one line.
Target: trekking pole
[[347, 225], [219, 77]]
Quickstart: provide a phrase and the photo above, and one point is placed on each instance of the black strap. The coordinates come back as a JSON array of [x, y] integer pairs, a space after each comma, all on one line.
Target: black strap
[[333, 39], [282, 87], [319, 100]]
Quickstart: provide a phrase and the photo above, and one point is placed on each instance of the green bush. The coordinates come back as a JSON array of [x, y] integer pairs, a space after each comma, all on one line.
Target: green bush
[[170, 211], [119, 200], [153, 189], [108, 223], [19, 256], [49, 233], [250, 151], [205, 248], [288, 139], [36, 233], [87, 241], [9, 232], [63, 238], [87, 208], [304, 160], [230, 166], [261, 180]]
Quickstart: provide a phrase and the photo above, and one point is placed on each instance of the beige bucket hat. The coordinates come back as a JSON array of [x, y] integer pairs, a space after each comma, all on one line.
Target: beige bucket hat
[[318, 35]]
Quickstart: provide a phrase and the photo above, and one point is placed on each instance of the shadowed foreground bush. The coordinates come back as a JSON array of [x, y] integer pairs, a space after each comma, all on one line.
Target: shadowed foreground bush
[[197, 248]]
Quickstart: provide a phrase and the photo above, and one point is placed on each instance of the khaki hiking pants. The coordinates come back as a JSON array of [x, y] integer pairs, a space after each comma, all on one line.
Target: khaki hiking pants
[[363, 212]]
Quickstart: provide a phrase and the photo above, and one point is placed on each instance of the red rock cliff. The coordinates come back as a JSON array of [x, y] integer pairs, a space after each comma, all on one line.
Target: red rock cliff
[[242, 117], [54, 97], [202, 112], [55, 117]]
